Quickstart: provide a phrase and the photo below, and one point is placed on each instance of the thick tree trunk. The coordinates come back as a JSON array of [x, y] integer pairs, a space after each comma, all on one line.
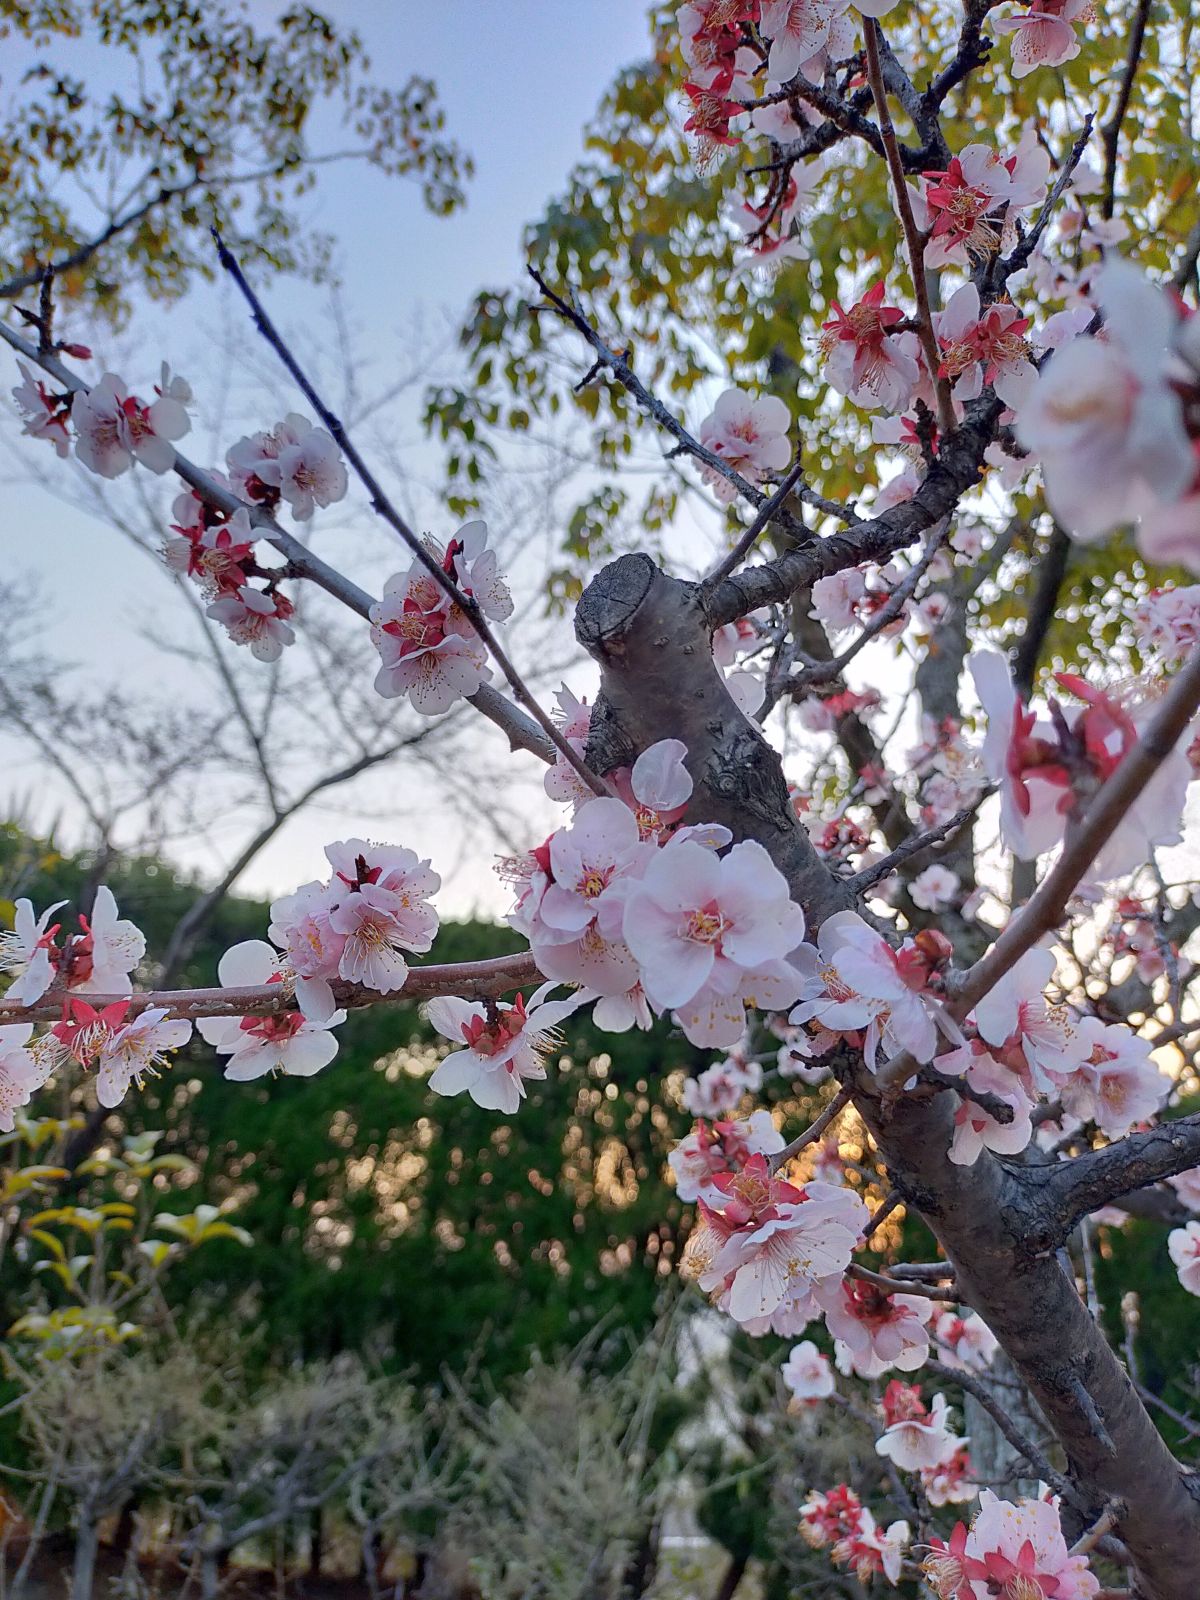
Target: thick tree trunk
[[651, 635]]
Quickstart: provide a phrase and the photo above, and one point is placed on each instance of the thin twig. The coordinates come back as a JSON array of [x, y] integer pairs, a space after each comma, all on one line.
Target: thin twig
[[881, 1214], [1104, 1523], [380, 503], [913, 242], [747, 541], [1111, 131], [862, 881], [1035, 1457], [811, 1134], [925, 1291]]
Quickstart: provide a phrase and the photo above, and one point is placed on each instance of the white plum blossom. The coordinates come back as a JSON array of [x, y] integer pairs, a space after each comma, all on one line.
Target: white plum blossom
[[808, 1375], [112, 944], [976, 1129], [1184, 1246], [1117, 1084], [1103, 418], [562, 782], [287, 1042], [505, 1045], [984, 347], [793, 1246], [1044, 35], [1187, 1186], [136, 1050], [720, 1087], [918, 1443], [25, 951], [798, 31], [1168, 621], [718, 1148], [751, 436], [965, 1341], [1020, 753], [875, 1330], [21, 1071], [935, 888]]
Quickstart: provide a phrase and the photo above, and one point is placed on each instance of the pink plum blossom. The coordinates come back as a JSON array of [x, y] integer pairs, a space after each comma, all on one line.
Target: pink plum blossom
[[1184, 1246], [1021, 1547], [287, 1042], [1167, 621], [977, 1130], [808, 1376], [720, 1147], [984, 347], [798, 30], [1020, 753], [257, 618], [875, 1330], [872, 1551], [751, 436], [1044, 35], [113, 428], [1187, 1186], [294, 461], [562, 782], [720, 1087], [950, 1482], [864, 359], [45, 415], [505, 1045], [703, 926], [1117, 1084], [965, 1341]]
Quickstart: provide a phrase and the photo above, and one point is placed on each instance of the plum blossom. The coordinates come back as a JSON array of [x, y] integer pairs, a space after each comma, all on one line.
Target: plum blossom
[[28, 951], [286, 1042], [750, 436], [720, 1147], [1018, 1549], [935, 888], [428, 646], [1039, 1043], [977, 1130], [1044, 35], [828, 1517], [1187, 1186], [973, 205], [875, 1330], [965, 1341], [294, 461], [45, 415], [798, 30], [21, 1071], [1117, 1084], [864, 359], [1184, 1246], [854, 982], [1021, 754], [984, 347], [1168, 622], [719, 1087], [703, 927], [872, 1551], [505, 1045], [950, 1482], [136, 1050], [782, 1241], [808, 1376], [1103, 417], [219, 557], [916, 1439], [257, 618], [113, 428], [562, 782], [356, 926]]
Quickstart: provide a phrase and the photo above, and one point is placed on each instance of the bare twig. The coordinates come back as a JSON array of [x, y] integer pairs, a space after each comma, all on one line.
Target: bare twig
[[925, 1291], [1111, 131], [862, 881], [383, 505], [913, 242], [811, 1134], [748, 539]]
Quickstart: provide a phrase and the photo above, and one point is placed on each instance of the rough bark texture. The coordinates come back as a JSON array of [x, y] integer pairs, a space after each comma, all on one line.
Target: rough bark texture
[[999, 1224]]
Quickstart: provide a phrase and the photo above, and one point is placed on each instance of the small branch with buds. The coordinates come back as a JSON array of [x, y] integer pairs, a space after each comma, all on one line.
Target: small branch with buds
[[811, 1134]]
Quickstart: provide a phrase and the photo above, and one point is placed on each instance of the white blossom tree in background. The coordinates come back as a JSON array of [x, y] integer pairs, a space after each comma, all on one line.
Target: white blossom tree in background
[[976, 954]]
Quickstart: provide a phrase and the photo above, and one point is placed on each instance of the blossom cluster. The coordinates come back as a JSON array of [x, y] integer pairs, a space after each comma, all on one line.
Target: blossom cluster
[[428, 646], [1013, 1548]]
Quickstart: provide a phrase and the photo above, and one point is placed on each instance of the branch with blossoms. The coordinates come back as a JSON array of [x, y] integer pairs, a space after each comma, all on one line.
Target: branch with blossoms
[[684, 884]]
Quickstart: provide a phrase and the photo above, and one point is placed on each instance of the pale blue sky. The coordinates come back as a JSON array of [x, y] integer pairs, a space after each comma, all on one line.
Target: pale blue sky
[[517, 86]]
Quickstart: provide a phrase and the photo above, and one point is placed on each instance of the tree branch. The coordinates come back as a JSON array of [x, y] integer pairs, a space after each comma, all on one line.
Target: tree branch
[[1111, 131]]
